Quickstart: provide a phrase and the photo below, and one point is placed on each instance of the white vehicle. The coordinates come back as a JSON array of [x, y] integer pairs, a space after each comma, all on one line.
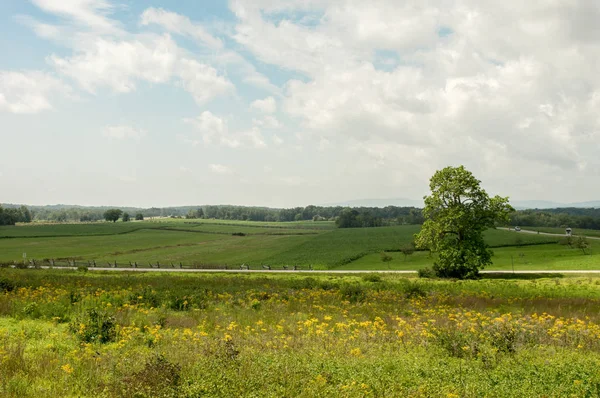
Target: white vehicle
[[517, 229]]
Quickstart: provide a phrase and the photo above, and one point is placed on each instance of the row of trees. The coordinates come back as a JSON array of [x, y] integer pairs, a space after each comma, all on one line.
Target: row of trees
[[113, 215], [11, 216], [352, 218], [389, 214], [574, 218], [346, 218]]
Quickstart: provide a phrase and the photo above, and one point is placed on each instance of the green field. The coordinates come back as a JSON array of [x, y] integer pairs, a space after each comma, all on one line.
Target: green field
[[231, 243], [76, 334]]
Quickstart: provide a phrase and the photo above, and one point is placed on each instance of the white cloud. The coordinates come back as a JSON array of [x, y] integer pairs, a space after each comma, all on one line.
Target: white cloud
[[211, 127], [179, 24], [92, 14], [106, 55], [123, 132], [214, 130], [203, 81], [220, 169], [277, 140], [267, 105], [29, 91], [383, 93], [127, 178], [254, 138], [119, 64], [269, 122]]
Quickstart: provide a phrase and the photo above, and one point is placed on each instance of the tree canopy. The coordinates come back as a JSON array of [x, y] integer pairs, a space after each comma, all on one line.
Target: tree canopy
[[457, 213], [112, 214], [11, 216]]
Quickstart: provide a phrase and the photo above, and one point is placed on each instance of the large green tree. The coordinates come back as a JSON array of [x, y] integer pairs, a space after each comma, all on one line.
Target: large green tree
[[112, 214], [457, 213]]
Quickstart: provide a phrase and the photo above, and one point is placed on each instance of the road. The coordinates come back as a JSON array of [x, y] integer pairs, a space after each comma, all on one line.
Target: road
[[528, 231], [276, 271]]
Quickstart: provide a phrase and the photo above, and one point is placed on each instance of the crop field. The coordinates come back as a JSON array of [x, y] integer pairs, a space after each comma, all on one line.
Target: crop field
[[303, 244], [70, 333]]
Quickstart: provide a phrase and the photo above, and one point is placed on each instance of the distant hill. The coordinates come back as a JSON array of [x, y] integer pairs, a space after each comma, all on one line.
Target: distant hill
[[517, 204], [400, 202], [544, 204]]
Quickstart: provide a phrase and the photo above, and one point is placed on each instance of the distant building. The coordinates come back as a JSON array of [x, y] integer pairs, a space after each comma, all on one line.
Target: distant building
[[568, 231]]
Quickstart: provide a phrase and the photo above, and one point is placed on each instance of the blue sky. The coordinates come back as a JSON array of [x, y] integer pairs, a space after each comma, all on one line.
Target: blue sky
[[294, 102]]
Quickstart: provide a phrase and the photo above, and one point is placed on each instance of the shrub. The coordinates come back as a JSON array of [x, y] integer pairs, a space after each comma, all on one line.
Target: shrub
[[6, 285], [94, 326], [426, 273], [385, 257], [158, 378], [328, 285], [372, 278], [180, 303], [456, 343], [145, 296], [407, 250], [304, 283], [413, 289], [566, 241], [32, 310], [238, 234], [353, 292]]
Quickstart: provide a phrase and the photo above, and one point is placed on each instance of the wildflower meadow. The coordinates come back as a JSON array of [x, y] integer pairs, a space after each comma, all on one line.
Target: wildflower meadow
[[74, 333]]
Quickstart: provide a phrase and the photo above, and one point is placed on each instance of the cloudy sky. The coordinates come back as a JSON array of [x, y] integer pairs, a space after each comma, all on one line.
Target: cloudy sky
[[295, 102]]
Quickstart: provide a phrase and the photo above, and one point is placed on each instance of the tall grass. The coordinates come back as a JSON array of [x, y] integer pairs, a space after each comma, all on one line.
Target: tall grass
[[104, 335]]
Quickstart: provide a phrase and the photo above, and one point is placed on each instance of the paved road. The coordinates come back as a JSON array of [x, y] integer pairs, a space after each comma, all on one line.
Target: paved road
[[528, 231], [274, 271]]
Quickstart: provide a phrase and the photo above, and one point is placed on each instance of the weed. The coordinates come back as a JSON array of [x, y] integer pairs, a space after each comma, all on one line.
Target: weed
[[426, 273], [372, 278], [158, 378], [7, 285], [94, 326], [353, 292]]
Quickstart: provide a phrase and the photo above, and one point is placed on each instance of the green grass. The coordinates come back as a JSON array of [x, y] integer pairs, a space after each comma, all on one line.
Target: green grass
[[74, 334], [342, 246], [210, 226], [104, 247], [527, 257], [210, 242], [38, 230]]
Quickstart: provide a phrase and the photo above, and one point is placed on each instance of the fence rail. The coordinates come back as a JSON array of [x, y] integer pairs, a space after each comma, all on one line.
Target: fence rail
[[72, 263]]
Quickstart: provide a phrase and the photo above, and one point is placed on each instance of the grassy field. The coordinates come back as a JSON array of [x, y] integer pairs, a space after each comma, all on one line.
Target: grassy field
[[67, 333], [218, 243]]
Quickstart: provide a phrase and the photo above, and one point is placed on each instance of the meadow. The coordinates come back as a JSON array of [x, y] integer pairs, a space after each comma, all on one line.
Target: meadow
[[69, 333], [218, 243]]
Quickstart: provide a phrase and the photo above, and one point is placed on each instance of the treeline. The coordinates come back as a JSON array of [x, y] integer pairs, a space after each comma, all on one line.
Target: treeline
[[403, 215], [562, 218], [13, 215], [366, 216], [345, 217]]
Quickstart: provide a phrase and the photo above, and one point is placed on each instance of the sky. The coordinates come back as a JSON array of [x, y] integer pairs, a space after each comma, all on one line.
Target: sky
[[293, 102]]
